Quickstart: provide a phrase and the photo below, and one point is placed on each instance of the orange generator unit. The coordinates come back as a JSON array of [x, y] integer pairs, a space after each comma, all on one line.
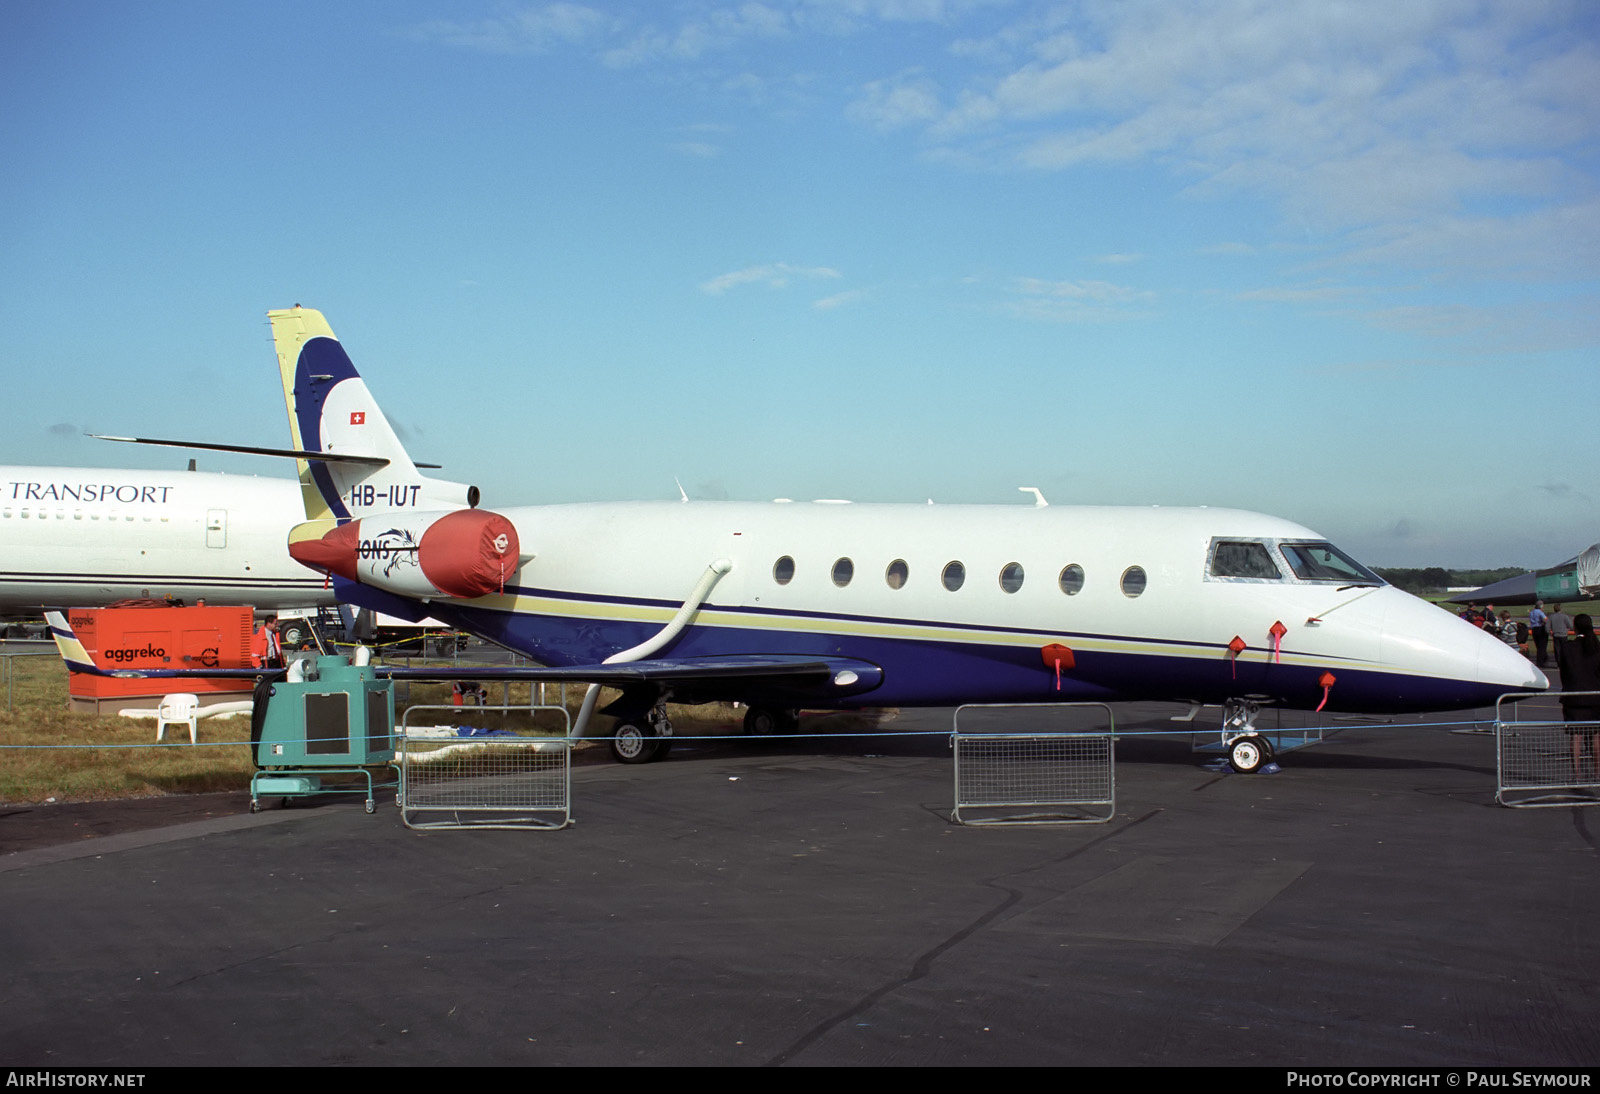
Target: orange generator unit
[[159, 638]]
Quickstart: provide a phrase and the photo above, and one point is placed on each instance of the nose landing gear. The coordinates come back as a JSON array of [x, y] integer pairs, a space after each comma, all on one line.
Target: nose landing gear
[[1247, 750]]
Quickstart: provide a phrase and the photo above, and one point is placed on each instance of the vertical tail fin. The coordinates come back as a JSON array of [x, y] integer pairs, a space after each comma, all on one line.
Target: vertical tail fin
[[331, 411], [67, 644]]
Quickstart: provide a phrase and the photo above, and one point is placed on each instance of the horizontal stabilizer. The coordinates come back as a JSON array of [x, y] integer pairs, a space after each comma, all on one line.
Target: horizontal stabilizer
[[293, 453]]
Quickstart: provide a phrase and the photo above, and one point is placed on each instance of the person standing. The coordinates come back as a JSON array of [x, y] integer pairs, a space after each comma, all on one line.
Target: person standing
[[1508, 630], [1539, 631], [1560, 629], [1580, 671]]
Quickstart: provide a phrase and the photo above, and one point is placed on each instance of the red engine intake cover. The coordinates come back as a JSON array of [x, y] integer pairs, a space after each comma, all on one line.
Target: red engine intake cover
[[334, 553], [468, 553]]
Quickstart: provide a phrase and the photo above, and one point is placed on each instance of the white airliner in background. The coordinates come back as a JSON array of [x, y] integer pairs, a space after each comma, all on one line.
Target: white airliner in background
[[838, 606], [88, 536]]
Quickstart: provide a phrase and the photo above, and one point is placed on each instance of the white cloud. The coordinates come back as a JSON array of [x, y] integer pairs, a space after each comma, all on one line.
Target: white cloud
[[904, 100], [697, 149], [715, 30], [1073, 301], [1430, 126], [777, 275], [532, 29], [1316, 295], [839, 300]]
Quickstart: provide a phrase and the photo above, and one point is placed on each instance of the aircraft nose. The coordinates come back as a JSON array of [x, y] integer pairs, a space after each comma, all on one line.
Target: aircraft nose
[[1422, 637], [1505, 666]]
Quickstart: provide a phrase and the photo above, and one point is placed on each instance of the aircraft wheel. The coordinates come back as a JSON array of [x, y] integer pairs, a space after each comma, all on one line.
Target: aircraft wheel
[[633, 744], [663, 746], [294, 634], [1247, 754], [761, 722]]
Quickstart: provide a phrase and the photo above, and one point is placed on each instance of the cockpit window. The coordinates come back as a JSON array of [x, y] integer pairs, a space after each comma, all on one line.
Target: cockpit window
[[1243, 558], [1325, 562]]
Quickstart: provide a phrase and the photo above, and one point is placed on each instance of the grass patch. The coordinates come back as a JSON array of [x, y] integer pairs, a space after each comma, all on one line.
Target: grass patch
[[47, 752]]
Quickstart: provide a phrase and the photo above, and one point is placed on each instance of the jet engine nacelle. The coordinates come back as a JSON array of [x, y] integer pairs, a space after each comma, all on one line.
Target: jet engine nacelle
[[463, 553]]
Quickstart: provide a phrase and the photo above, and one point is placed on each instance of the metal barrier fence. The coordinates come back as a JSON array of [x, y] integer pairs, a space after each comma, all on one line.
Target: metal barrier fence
[[13, 648], [1033, 764], [501, 779], [1545, 761]]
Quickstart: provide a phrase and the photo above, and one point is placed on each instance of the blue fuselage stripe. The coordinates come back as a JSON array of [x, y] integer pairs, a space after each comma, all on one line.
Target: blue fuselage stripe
[[946, 669]]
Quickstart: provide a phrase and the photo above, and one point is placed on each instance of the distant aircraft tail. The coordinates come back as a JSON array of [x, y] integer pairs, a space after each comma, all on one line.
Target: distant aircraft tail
[[331, 411], [68, 645]]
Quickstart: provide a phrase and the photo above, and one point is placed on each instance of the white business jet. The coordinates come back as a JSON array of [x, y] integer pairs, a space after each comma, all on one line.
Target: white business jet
[[784, 606]]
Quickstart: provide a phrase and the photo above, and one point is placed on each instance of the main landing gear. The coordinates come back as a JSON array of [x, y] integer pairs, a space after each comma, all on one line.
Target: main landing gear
[[766, 721], [1247, 750], [642, 740]]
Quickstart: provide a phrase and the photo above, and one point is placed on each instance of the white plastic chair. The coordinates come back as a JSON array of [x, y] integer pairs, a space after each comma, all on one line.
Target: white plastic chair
[[179, 709]]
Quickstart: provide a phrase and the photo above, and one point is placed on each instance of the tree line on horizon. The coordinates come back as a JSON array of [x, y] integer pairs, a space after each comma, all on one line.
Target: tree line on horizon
[[1432, 579]]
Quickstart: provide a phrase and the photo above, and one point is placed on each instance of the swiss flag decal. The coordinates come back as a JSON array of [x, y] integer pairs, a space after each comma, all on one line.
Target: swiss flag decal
[[358, 417]]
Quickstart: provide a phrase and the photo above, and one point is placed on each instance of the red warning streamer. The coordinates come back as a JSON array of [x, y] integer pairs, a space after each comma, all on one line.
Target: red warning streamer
[[1235, 648], [1277, 631], [1326, 680], [1058, 657]]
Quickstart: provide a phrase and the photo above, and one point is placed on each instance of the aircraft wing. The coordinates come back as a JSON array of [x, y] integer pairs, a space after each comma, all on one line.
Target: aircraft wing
[[838, 676], [793, 675]]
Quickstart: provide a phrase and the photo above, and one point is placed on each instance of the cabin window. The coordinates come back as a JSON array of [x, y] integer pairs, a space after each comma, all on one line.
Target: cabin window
[[783, 570], [1133, 581], [955, 575], [843, 571], [895, 576], [1071, 580], [1325, 562], [1011, 577], [1243, 559]]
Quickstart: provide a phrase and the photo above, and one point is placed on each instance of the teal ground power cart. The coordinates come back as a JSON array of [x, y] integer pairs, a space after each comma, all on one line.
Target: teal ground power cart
[[321, 731]]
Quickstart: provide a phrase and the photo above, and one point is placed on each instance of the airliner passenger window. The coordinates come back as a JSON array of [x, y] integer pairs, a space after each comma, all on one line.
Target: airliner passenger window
[[1232, 558], [895, 576], [783, 570], [1325, 562], [1133, 581], [1011, 577], [1071, 580], [955, 575], [843, 571]]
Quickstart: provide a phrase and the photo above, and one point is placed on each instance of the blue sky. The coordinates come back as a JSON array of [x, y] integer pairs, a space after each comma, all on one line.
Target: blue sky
[[1332, 261]]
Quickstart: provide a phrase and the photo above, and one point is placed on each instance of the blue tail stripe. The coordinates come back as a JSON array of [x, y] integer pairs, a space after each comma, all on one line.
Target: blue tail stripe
[[322, 366]]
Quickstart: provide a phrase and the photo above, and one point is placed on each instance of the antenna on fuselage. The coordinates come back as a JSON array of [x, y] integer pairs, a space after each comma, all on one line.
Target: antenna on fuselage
[[1038, 497], [681, 493]]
